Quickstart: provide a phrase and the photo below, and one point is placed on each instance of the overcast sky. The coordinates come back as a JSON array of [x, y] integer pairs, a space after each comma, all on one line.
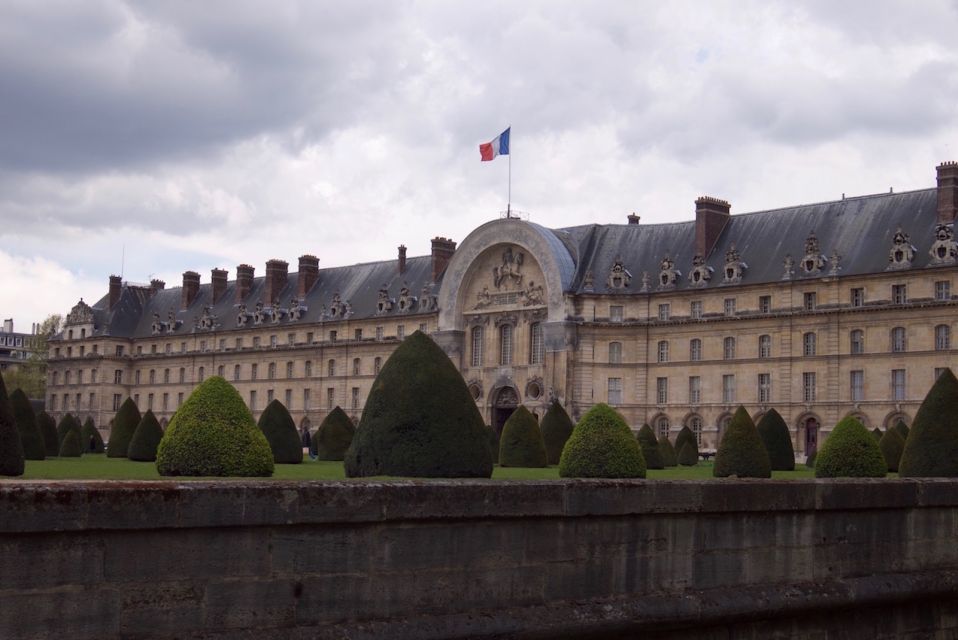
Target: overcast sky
[[205, 134]]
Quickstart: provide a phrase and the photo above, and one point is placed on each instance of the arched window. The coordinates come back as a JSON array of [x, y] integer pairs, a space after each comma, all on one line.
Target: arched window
[[809, 344], [695, 424], [695, 349], [663, 351], [662, 426], [728, 348], [505, 344], [898, 339], [219, 371], [535, 343], [942, 337], [615, 353], [477, 346], [857, 340], [356, 366], [332, 367], [765, 346]]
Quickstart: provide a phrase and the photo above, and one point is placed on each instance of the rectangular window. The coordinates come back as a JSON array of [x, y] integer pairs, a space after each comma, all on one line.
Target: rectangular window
[[728, 348], [615, 391], [765, 304], [179, 399], [505, 344], [252, 400], [272, 341], [182, 374], [305, 399], [939, 371], [898, 384], [355, 398], [149, 402], [269, 396], [118, 376], [665, 311], [695, 349], [536, 351], [476, 347], [136, 377], [730, 306], [358, 334], [289, 370], [379, 333], [202, 345], [222, 344], [401, 331], [857, 297], [309, 337], [695, 309], [330, 397], [253, 371], [662, 390], [422, 327], [289, 399], [290, 338], [166, 402], [943, 290], [899, 294], [119, 350], [857, 385], [239, 343], [810, 300], [808, 386], [93, 376], [764, 388], [332, 335], [615, 313], [255, 342], [136, 399], [695, 390], [139, 350], [728, 388]]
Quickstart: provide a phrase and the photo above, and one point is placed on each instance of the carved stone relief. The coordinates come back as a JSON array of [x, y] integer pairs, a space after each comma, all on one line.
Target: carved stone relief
[[945, 248], [734, 266], [814, 261], [901, 253], [619, 276], [701, 273], [668, 274]]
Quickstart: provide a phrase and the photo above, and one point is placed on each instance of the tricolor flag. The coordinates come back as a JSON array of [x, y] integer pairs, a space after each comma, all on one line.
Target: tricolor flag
[[498, 147]]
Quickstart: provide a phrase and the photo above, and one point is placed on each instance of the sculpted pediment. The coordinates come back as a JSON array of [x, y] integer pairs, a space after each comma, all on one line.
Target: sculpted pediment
[[503, 278]]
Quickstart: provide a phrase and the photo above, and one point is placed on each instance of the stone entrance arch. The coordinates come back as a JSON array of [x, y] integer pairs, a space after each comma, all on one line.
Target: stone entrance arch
[[809, 426], [504, 401]]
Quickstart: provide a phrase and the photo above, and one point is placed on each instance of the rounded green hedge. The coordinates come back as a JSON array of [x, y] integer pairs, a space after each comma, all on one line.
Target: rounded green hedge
[[48, 430], [67, 423], [493, 443], [420, 419], [902, 429], [777, 440], [850, 452], [521, 444], [684, 436], [650, 448], [689, 455], [334, 436], [90, 437], [602, 446], [213, 434], [125, 422], [145, 439], [892, 445], [280, 431], [742, 452], [931, 448], [667, 451], [27, 427], [71, 447], [11, 449], [556, 427], [810, 459]]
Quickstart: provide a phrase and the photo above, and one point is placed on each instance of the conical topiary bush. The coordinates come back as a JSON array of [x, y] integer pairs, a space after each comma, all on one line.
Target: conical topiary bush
[[688, 456], [11, 449], [931, 448], [742, 452], [125, 422], [67, 423], [667, 451], [521, 444], [876, 432], [280, 431], [420, 419], [493, 443], [71, 447], [650, 448], [850, 452], [27, 427], [90, 437], [892, 446], [902, 429], [556, 427], [334, 436], [602, 446], [684, 436], [48, 430], [145, 439], [777, 440], [810, 459], [213, 434]]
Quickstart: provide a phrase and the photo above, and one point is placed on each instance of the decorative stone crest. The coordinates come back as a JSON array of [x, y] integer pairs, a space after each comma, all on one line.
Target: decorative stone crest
[[668, 274], [945, 248], [159, 326], [619, 276], [788, 265], [263, 313], [901, 253], [207, 321], [814, 261], [701, 273], [427, 301], [385, 303], [734, 266], [336, 307], [81, 313], [510, 271], [296, 309], [243, 317], [407, 302]]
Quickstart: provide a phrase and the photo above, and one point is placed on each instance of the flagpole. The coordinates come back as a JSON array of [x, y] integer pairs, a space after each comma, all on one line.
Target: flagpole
[[509, 202]]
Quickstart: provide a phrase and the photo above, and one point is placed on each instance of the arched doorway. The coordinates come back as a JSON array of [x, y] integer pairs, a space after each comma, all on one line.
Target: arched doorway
[[811, 425], [506, 401]]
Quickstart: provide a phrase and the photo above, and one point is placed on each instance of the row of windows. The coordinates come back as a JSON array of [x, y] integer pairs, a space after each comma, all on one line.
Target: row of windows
[[506, 341]]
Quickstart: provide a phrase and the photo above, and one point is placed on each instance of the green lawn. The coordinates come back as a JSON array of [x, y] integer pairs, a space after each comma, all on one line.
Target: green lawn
[[99, 467]]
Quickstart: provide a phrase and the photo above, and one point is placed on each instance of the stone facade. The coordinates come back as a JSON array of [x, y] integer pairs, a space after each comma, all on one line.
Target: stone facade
[[819, 311]]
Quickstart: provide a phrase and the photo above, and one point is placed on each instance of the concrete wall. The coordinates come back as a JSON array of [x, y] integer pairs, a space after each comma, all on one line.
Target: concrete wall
[[467, 559]]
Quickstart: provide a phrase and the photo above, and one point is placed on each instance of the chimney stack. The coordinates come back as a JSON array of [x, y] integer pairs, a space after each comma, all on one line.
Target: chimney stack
[[947, 192], [442, 250], [711, 216], [116, 286], [402, 259], [191, 288], [218, 278], [276, 273], [308, 274], [633, 219], [156, 285], [244, 281]]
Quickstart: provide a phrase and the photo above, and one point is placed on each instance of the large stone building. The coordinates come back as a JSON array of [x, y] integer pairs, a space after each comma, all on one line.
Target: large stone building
[[820, 311]]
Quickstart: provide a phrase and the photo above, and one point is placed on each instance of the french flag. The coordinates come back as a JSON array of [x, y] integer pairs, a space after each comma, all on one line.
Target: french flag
[[498, 147]]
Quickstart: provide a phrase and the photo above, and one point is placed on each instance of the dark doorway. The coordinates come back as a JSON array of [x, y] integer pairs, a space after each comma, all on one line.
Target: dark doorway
[[811, 436], [504, 404]]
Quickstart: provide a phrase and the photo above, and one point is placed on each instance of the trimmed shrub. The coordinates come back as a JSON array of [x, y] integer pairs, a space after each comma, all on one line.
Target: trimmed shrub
[[145, 439], [420, 419], [493, 443], [877, 433], [48, 429], [650, 448], [892, 445], [213, 434], [26, 419], [810, 460], [777, 440], [688, 455], [280, 431], [90, 437], [521, 443], [931, 448], [556, 427], [11, 449], [71, 447], [67, 423], [667, 451], [125, 422], [850, 452], [742, 452], [602, 446], [902, 430], [686, 435], [334, 436]]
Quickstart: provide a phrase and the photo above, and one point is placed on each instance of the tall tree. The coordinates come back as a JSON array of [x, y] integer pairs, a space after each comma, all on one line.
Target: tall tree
[[31, 374]]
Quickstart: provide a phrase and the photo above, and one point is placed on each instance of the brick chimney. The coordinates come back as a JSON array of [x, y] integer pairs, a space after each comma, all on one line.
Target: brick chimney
[[442, 250], [402, 258], [116, 287], [156, 285], [633, 219], [218, 278], [711, 216], [191, 288], [244, 281], [947, 192], [308, 274], [276, 273]]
